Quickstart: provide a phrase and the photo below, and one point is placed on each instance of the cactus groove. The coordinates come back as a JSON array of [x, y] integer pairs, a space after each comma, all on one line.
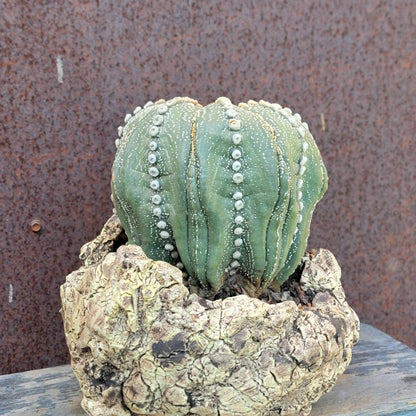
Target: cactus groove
[[218, 190]]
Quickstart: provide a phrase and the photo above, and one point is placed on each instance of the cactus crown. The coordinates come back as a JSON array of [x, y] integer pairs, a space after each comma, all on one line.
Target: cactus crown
[[219, 190]]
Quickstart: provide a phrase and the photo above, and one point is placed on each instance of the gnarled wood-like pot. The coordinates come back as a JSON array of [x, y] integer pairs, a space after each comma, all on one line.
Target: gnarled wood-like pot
[[141, 344]]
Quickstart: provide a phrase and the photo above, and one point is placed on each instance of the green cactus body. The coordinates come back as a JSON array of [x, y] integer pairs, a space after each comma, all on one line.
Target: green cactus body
[[218, 190]]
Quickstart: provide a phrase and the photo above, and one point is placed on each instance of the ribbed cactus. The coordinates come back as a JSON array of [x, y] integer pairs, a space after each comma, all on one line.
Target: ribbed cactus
[[218, 190]]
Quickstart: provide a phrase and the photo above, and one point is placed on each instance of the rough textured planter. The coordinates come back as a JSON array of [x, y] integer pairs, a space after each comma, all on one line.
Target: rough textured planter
[[141, 344]]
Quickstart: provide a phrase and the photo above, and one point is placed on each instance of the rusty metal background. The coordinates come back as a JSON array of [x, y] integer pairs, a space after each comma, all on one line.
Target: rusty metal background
[[70, 70]]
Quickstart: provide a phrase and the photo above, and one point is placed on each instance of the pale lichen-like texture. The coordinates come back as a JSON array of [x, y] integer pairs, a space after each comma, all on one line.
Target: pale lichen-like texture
[[141, 344]]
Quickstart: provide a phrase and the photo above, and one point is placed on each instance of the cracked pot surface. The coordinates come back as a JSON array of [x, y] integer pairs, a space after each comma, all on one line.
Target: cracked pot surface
[[141, 344]]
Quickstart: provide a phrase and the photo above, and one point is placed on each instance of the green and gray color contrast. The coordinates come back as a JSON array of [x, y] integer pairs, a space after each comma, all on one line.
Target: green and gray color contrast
[[219, 190]]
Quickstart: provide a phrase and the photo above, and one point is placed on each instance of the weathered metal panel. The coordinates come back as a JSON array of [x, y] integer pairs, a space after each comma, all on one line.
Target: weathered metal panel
[[71, 70]]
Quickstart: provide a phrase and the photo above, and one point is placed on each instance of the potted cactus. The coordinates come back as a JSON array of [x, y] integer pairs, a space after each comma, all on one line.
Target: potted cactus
[[198, 298]]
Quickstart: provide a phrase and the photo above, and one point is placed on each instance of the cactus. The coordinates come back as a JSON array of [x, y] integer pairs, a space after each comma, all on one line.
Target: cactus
[[219, 190]]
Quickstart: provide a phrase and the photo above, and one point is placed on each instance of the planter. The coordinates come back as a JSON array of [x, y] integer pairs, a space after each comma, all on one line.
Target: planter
[[142, 344]]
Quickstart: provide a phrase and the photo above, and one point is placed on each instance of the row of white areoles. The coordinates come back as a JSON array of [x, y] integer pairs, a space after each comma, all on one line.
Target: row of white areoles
[[234, 125], [153, 171]]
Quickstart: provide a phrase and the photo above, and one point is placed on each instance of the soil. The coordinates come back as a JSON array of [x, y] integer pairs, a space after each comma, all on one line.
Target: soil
[[289, 290]]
